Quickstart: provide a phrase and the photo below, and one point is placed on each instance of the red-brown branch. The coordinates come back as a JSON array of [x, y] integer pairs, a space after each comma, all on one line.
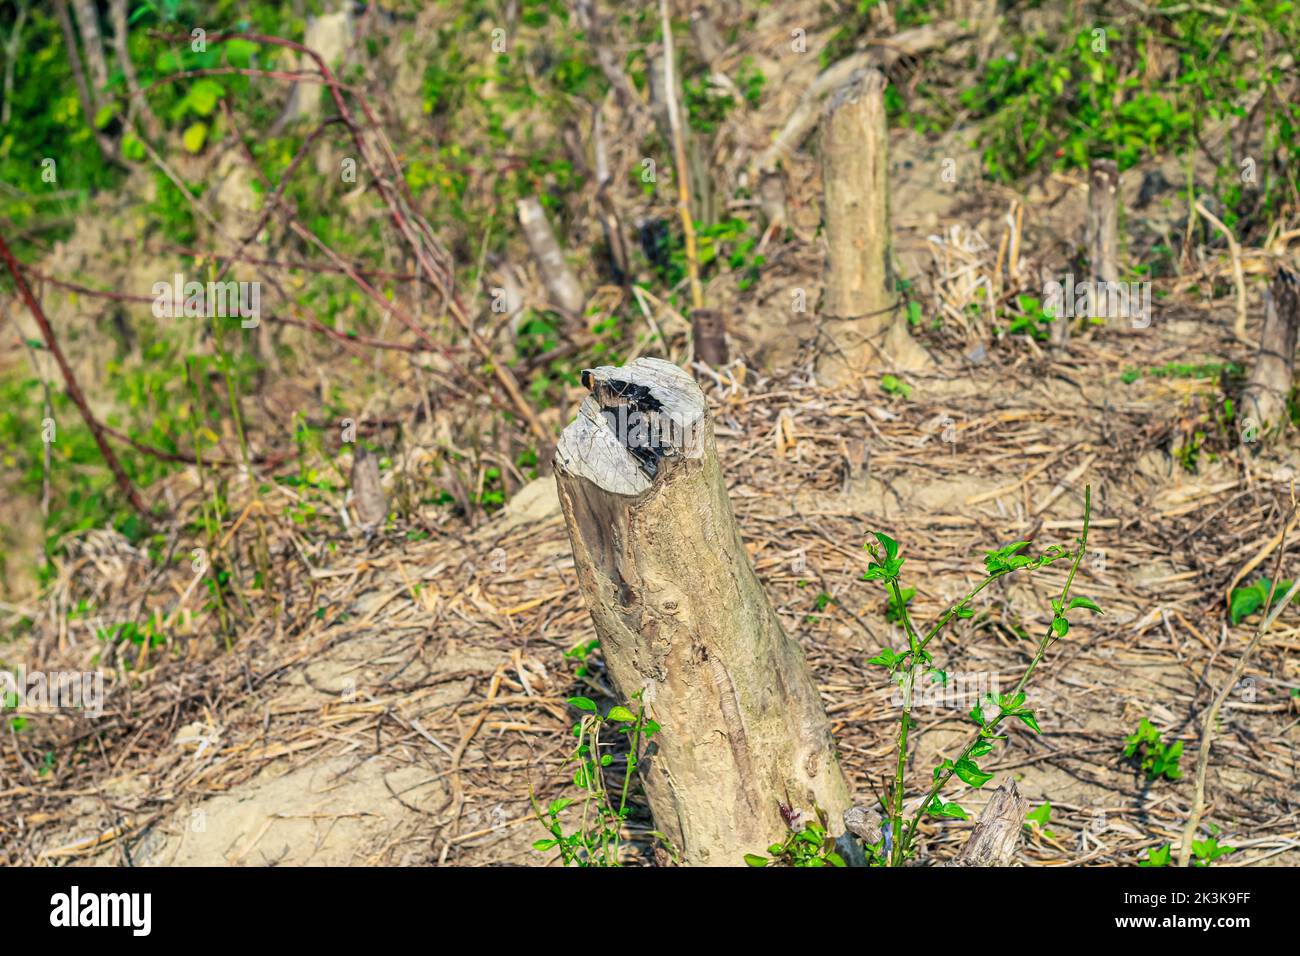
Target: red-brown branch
[[70, 382]]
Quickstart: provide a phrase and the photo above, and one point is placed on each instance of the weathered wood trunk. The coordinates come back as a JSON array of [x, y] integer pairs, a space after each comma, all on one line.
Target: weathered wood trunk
[[1103, 220], [861, 327], [1263, 401], [993, 841], [709, 337], [562, 287], [87, 14], [772, 201], [708, 41], [682, 618], [368, 490], [996, 836]]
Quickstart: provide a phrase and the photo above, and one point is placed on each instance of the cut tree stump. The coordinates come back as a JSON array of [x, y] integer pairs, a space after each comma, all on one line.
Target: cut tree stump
[[993, 842], [772, 201], [1263, 401], [709, 337], [1103, 222], [368, 490], [562, 286], [683, 620], [996, 836], [861, 327]]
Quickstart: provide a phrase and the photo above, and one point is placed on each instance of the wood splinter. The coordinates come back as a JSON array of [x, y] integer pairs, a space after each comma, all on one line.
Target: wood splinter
[[683, 620]]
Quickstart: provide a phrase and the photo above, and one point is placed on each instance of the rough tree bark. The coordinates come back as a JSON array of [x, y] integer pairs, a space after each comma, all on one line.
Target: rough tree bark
[[1263, 401], [682, 619], [88, 23], [367, 490], [996, 836], [1103, 221], [860, 325], [993, 841], [122, 50], [88, 108], [709, 337], [562, 286], [11, 45]]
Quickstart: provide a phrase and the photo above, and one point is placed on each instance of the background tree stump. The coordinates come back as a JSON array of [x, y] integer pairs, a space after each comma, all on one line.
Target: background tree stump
[[1263, 401], [861, 327]]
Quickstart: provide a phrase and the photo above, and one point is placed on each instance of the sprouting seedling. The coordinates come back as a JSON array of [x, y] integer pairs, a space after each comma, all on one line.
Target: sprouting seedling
[[1154, 757], [1207, 851], [1039, 817], [598, 839], [1157, 856], [808, 843], [907, 664]]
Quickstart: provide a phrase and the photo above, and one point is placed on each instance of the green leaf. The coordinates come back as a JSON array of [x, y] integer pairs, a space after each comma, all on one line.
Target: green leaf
[[240, 52], [953, 810], [886, 658], [971, 774], [1039, 815], [753, 859], [1246, 601], [105, 115], [1061, 626], [583, 703], [1157, 856], [1089, 603], [893, 385], [834, 859], [545, 844], [132, 148], [195, 136], [888, 543], [1028, 717], [203, 96], [621, 715]]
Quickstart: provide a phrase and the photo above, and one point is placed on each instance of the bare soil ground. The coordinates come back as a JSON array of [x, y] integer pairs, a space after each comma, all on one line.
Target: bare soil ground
[[402, 702]]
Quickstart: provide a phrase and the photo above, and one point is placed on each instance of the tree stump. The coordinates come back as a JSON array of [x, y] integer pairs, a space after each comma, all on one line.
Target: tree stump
[[861, 327], [709, 337], [1263, 401], [682, 618], [1103, 223], [996, 836], [562, 286], [368, 490]]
